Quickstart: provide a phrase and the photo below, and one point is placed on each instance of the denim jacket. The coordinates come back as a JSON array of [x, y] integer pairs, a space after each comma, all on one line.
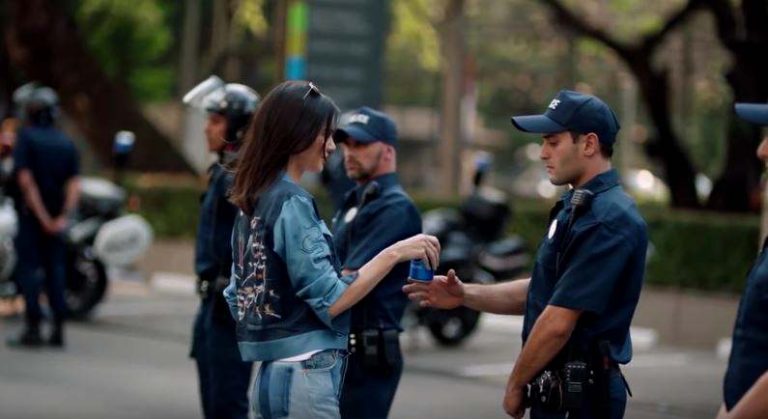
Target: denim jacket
[[285, 276]]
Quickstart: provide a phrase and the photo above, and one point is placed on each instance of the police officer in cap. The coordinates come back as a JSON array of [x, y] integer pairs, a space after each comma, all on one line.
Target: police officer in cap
[[47, 173], [224, 377], [746, 379], [585, 285], [375, 214]]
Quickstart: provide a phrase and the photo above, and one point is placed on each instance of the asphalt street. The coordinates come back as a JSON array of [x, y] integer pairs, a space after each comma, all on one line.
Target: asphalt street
[[131, 361]]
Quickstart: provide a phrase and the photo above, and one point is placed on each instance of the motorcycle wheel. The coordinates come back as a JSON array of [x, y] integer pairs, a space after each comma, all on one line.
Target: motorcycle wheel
[[86, 285], [452, 327]]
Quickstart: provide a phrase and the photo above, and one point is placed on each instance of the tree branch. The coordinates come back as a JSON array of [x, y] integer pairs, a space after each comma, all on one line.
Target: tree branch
[[584, 28], [725, 19], [755, 14], [651, 41]]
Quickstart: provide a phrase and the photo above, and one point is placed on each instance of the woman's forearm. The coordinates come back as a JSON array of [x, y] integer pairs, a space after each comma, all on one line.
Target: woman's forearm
[[368, 276], [754, 404]]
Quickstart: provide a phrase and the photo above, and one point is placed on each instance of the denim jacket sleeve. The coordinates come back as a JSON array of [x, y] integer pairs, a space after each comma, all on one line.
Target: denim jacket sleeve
[[303, 241]]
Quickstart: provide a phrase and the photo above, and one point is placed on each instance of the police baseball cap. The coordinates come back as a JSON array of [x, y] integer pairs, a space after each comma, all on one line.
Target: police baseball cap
[[756, 113], [573, 111], [366, 125]]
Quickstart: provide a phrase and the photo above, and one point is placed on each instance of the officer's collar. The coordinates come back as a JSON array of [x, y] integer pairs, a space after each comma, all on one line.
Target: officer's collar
[[597, 184], [385, 181]]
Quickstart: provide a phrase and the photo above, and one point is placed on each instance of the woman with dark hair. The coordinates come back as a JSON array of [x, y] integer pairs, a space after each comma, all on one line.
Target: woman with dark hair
[[285, 292]]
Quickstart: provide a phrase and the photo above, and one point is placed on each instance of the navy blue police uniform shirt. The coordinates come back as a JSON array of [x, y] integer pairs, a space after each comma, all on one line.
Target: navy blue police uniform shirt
[[749, 349], [53, 160], [213, 248], [600, 270], [388, 216]]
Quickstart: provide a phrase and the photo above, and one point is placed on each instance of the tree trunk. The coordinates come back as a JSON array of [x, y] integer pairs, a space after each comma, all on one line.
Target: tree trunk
[[46, 46], [746, 38], [665, 147], [190, 45], [654, 87], [737, 188], [451, 31]]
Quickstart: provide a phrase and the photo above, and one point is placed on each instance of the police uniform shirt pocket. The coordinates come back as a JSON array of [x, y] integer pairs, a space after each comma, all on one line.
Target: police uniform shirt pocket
[[547, 254]]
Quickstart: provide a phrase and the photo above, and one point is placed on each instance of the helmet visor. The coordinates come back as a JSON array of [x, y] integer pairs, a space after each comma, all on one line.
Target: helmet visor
[[197, 96]]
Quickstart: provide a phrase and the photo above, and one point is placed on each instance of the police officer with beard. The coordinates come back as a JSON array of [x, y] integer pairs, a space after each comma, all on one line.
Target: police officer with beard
[[375, 214], [224, 377]]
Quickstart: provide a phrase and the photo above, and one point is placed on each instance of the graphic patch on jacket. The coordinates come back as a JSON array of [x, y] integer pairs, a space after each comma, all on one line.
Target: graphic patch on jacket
[[253, 294]]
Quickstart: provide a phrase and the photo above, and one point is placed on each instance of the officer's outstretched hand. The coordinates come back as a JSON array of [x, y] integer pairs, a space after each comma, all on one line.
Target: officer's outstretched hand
[[444, 292]]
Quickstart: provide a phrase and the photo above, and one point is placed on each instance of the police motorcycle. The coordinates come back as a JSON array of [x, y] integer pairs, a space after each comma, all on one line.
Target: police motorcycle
[[100, 235], [475, 246], [9, 226]]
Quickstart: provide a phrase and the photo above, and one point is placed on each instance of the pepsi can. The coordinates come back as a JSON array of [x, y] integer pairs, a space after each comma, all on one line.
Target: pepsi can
[[420, 272]]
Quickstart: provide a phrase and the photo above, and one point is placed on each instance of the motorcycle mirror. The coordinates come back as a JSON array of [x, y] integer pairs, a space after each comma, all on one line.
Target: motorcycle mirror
[[123, 144]]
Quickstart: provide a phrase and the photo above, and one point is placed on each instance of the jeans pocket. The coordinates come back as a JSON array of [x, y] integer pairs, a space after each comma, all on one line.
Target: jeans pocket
[[272, 391], [321, 361]]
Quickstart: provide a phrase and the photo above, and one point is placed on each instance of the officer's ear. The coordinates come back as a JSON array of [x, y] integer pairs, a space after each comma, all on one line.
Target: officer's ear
[[389, 152], [591, 144]]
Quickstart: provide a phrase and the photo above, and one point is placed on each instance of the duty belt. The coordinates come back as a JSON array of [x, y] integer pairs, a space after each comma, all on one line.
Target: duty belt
[[206, 287]]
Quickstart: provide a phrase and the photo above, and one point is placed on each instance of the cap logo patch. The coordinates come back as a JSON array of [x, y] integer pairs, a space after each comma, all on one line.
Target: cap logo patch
[[359, 118], [554, 103]]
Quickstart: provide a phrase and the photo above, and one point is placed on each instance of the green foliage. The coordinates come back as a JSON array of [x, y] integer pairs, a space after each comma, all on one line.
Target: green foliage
[[698, 250], [130, 40], [412, 55], [172, 211], [250, 16], [702, 251]]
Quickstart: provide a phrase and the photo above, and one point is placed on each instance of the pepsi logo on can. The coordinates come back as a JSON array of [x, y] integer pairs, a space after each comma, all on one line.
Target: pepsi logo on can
[[420, 272]]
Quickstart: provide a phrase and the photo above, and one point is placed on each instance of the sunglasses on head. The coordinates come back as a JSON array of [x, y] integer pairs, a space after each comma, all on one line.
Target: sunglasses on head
[[312, 91]]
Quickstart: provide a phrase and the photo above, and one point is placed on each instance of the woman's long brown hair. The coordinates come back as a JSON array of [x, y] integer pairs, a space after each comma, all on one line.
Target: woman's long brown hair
[[287, 122]]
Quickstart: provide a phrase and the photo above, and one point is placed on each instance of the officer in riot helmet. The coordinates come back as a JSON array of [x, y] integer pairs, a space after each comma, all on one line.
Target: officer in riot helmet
[[36, 105], [223, 376], [47, 174], [235, 103]]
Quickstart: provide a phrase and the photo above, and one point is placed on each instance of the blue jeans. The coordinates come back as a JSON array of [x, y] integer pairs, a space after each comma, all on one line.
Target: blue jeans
[[302, 389]]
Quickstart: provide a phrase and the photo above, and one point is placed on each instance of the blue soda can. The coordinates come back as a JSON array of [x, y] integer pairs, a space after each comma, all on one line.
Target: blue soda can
[[420, 272]]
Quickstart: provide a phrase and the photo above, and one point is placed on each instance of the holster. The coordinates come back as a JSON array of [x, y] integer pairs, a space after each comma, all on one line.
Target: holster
[[379, 349], [213, 289], [567, 388]]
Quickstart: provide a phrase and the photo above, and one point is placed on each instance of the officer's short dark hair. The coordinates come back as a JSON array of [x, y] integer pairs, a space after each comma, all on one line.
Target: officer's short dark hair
[[606, 150]]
